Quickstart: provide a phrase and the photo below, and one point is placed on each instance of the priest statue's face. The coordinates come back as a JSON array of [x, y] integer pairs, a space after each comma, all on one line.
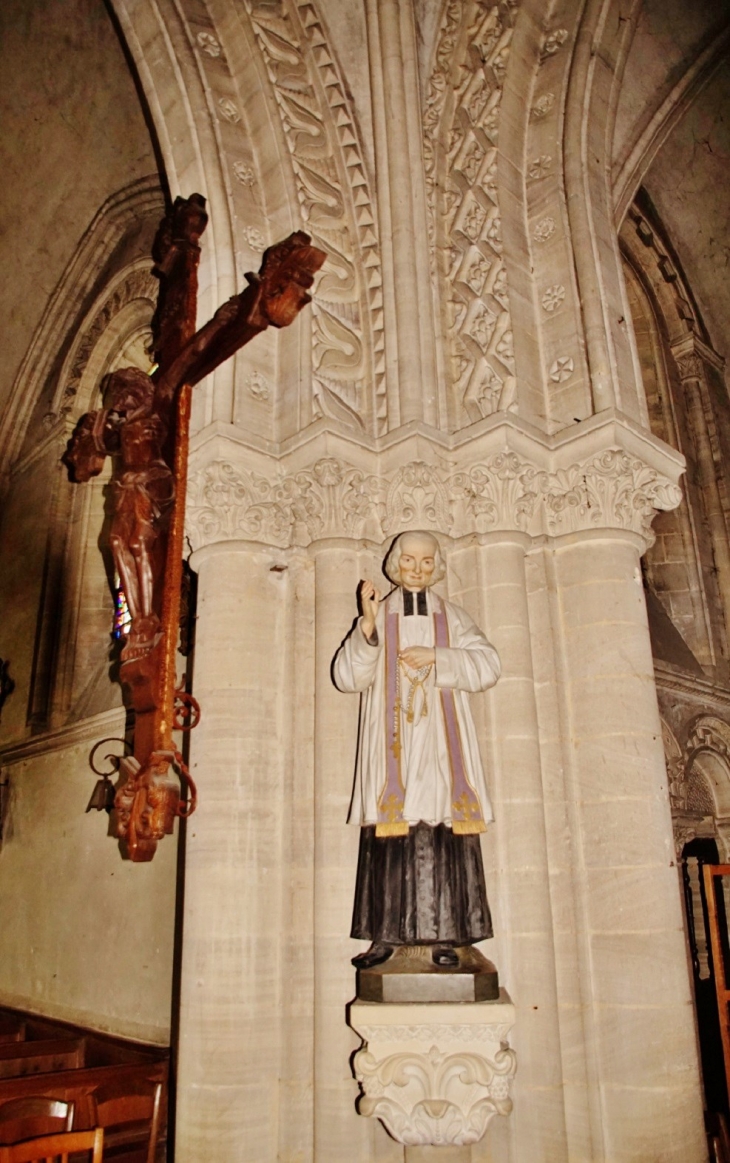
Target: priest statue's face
[[417, 561]]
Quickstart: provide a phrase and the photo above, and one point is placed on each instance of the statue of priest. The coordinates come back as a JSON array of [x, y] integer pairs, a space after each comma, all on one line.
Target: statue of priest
[[420, 796]]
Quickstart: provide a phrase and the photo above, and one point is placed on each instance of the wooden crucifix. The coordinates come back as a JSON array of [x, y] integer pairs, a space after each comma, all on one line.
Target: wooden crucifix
[[145, 429]]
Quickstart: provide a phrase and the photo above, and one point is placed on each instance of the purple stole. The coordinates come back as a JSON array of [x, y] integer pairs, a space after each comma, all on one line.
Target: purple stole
[[466, 811]]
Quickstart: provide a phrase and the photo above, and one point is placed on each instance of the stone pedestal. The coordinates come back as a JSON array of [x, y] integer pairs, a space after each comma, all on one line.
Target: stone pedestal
[[434, 1074], [411, 976]]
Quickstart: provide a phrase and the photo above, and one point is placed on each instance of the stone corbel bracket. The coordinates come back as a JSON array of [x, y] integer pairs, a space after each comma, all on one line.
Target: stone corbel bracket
[[604, 474], [436, 1074]]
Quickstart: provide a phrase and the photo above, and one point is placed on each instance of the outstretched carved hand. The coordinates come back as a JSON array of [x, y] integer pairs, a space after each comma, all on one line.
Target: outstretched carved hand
[[369, 599]]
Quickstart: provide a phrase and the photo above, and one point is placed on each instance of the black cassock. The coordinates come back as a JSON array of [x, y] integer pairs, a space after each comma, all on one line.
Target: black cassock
[[421, 889]]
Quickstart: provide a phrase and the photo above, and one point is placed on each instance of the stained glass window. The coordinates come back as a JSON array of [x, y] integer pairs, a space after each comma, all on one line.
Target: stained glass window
[[122, 616]]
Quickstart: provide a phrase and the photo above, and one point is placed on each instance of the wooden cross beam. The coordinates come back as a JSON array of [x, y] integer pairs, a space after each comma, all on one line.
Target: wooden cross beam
[[145, 430]]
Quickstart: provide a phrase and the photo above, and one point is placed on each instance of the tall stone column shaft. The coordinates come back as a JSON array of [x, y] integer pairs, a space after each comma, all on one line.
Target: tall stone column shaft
[[627, 1007], [338, 1133], [231, 988], [397, 123], [517, 855]]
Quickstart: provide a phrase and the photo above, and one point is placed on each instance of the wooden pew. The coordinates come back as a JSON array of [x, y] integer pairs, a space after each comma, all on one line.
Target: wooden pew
[[41, 1057], [90, 1061]]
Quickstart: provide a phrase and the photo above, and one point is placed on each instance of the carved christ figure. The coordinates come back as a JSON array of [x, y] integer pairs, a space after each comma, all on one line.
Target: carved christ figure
[[420, 796], [134, 428], [143, 490]]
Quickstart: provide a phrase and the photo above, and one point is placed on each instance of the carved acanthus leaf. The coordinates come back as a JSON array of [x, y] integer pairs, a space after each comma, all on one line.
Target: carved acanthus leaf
[[435, 1098], [612, 489]]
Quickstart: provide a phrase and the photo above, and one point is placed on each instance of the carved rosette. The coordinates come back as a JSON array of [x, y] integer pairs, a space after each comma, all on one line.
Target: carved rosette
[[434, 1075], [334, 499]]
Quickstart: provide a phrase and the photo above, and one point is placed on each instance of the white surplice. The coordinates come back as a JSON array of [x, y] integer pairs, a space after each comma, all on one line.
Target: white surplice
[[468, 664]]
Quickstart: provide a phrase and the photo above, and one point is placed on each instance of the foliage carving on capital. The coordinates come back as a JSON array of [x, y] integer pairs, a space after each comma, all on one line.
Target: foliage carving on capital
[[335, 499], [503, 492], [434, 1097], [612, 489], [689, 366]]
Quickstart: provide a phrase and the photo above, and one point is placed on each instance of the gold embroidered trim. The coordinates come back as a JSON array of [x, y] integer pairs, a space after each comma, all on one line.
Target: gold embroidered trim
[[400, 828]]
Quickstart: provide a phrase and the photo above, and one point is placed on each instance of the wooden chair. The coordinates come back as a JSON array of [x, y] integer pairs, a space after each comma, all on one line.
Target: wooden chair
[[50, 1148], [130, 1113], [33, 1115]]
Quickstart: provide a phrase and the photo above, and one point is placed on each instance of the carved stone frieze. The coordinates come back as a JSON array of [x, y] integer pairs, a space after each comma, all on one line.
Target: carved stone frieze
[[333, 189], [461, 129], [335, 499]]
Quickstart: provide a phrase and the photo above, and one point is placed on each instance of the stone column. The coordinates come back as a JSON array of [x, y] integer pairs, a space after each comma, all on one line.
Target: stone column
[[228, 1078], [516, 853], [397, 124], [338, 1132], [691, 373], [635, 1027]]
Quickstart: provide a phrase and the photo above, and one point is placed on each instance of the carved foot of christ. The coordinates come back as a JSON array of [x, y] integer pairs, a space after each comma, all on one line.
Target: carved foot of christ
[[143, 635]]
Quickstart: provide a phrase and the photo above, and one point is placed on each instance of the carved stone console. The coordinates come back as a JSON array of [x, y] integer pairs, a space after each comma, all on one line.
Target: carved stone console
[[434, 1074]]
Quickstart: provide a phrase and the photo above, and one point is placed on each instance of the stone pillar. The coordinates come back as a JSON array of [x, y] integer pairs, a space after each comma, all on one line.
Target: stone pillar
[[231, 1001], [338, 1133], [691, 373], [397, 124], [635, 1026], [516, 852]]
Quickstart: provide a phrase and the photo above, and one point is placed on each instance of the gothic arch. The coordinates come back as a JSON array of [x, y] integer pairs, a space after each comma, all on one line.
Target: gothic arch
[[708, 749], [67, 307]]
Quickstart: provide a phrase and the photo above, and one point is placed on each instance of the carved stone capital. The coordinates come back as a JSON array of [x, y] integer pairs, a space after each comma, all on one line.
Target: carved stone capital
[[434, 1074], [692, 357], [689, 366], [333, 497]]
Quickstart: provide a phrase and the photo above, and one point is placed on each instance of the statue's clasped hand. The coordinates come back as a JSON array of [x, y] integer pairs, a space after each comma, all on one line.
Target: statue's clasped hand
[[418, 656]]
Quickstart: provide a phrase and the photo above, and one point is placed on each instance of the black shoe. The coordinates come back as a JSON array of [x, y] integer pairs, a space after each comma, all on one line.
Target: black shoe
[[378, 952], [445, 956]]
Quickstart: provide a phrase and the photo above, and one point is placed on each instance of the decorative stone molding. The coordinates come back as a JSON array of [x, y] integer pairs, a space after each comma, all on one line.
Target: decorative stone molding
[[333, 189], [690, 795], [335, 499], [708, 733], [434, 1074], [138, 283], [461, 132]]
